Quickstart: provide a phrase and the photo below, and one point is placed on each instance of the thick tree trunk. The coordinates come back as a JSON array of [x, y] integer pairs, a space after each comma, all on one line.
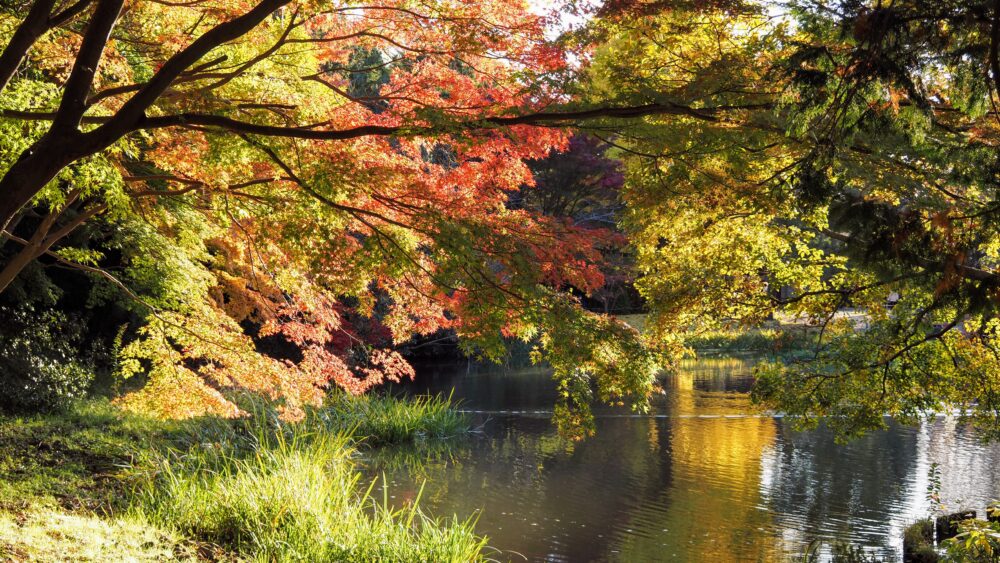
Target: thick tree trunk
[[30, 250], [36, 167], [63, 143]]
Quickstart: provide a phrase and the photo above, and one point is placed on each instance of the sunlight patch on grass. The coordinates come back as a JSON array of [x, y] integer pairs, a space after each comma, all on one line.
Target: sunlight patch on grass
[[96, 484], [49, 535]]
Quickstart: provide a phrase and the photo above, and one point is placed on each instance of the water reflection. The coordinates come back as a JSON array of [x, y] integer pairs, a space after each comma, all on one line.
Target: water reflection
[[703, 478]]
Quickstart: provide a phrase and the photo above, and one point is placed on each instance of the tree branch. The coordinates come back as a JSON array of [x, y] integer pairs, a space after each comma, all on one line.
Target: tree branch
[[81, 78], [133, 111], [35, 24], [538, 118]]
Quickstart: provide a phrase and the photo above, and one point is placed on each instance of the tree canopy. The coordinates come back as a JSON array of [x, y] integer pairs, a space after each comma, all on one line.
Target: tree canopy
[[283, 191], [862, 166], [280, 193]]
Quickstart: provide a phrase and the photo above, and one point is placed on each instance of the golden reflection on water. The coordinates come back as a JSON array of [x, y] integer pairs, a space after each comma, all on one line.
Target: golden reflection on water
[[703, 478], [715, 468]]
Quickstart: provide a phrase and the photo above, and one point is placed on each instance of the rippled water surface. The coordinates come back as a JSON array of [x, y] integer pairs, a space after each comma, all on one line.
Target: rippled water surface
[[701, 478]]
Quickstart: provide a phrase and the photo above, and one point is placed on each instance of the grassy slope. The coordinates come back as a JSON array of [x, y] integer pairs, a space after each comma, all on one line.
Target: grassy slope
[[95, 484], [63, 478]]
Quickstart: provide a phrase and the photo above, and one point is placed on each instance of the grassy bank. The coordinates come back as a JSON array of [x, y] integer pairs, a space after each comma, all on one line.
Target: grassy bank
[[779, 341], [96, 484], [775, 338]]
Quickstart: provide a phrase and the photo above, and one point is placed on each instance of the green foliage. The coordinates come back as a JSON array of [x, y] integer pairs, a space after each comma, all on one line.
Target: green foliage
[[977, 542], [384, 420], [918, 542], [933, 495], [593, 356], [41, 367], [856, 379], [818, 162]]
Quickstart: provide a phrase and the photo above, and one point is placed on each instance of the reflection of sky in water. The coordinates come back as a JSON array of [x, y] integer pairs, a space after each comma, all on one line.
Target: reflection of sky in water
[[703, 477]]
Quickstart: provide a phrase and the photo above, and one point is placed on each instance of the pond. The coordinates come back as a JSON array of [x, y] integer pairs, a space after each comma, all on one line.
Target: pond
[[702, 477]]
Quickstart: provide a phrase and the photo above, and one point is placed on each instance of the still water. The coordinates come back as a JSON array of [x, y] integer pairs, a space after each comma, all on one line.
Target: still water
[[703, 477]]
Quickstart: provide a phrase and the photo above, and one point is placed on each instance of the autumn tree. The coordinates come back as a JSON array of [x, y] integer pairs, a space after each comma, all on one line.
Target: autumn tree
[[285, 190], [862, 164], [582, 184]]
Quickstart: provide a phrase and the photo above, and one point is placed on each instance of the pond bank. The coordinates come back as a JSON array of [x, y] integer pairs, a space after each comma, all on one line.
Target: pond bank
[[97, 484]]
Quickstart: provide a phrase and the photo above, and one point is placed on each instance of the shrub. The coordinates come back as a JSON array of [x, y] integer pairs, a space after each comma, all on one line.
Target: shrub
[[977, 541], [39, 369], [918, 542]]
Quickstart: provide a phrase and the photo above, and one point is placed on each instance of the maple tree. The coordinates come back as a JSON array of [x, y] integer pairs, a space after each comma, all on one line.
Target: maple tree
[[285, 190]]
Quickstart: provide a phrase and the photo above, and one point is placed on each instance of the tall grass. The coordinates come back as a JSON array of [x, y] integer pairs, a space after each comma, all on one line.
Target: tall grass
[[276, 492], [257, 488], [370, 420], [386, 420]]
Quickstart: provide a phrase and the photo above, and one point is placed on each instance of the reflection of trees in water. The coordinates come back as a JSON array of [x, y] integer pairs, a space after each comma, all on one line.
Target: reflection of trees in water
[[710, 511], [716, 367], [570, 503], [970, 469], [728, 375], [824, 490], [617, 491], [677, 487], [546, 501], [486, 387], [876, 485]]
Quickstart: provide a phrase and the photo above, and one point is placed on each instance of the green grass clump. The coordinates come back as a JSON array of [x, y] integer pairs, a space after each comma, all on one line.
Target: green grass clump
[[87, 482], [372, 421], [295, 497], [380, 421]]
